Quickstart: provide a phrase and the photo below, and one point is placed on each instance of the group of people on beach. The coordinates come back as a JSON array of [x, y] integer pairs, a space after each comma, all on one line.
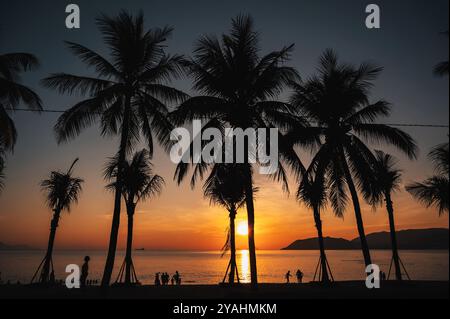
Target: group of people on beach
[[162, 279], [299, 274]]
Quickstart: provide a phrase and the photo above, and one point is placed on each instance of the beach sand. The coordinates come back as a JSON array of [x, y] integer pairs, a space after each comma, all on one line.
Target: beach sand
[[338, 290]]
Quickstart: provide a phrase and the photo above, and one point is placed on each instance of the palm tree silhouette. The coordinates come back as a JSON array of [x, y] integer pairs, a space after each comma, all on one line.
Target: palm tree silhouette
[[13, 93], [434, 191], [238, 90], [337, 100], [62, 190], [441, 69], [139, 183], [225, 187], [386, 180], [312, 191], [128, 97]]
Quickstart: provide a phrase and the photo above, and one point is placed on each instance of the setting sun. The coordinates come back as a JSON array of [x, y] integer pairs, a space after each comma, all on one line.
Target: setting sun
[[242, 229]]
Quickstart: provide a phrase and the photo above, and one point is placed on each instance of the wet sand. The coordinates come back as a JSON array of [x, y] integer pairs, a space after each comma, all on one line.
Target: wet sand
[[338, 290]]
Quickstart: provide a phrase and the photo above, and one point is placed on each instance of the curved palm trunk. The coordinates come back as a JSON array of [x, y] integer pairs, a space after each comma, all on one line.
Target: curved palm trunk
[[395, 256], [128, 260], [232, 246], [45, 275], [109, 265], [358, 215], [323, 258]]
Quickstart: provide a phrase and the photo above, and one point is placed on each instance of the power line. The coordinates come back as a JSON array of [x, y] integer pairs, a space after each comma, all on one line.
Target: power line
[[390, 124]]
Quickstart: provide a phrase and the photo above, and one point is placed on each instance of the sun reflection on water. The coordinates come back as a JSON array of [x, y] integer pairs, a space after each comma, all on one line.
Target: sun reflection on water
[[244, 269]]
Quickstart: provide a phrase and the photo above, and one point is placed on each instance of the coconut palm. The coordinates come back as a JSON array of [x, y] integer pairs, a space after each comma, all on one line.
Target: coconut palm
[[441, 69], [13, 93], [61, 190], [238, 89], [138, 184], [434, 191], [337, 101], [128, 97], [225, 187], [313, 193], [386, 181]]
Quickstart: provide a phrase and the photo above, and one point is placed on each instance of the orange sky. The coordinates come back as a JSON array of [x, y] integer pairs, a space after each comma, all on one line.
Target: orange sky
[[180, 218]]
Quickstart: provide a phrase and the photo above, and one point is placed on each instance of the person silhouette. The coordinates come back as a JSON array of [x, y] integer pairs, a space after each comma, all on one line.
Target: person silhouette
[[288, 276], [299, 275], [177, 278], [84, 271], [157, 280]]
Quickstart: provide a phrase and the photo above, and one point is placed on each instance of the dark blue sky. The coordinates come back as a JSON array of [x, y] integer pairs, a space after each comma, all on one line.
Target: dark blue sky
[[408, 45]]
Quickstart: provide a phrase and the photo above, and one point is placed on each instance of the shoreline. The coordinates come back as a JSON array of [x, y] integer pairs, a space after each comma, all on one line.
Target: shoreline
[[337, 290]]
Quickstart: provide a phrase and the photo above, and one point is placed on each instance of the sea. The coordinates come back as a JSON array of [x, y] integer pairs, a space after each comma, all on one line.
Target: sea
[[208, 267]]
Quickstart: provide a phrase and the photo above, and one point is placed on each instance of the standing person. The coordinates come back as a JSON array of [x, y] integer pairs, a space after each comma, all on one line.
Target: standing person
[[157, 280], [84, 271], [299, 275], [288, 276], [177, 278]]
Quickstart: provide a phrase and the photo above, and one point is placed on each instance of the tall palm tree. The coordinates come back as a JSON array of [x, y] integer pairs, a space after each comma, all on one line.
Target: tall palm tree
[[238, 89], [441, 69], [337, 101], [138, 184], [62, 190], [13, 93], [312, 191], [434, 191], [225, 187], [386, 181], [128, 96]]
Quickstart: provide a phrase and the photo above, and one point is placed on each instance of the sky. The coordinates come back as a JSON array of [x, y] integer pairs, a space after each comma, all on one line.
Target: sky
[[408, 45]]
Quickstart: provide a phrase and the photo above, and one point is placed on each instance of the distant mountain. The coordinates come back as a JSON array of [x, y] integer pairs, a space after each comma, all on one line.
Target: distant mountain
[[4, 246], [413, 239]]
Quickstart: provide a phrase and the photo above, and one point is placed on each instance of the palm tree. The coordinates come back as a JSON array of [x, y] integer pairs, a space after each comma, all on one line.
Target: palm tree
[[13, 93], [238, 89], [62, 190], [138, 184], [225, 187], [337, 100], [312, 191], [386, 181], [434, 191], [128, 96], [441, 69]]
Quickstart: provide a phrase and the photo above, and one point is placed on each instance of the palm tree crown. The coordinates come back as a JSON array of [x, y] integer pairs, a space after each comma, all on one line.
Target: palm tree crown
[[434, 191], [130, 91], [62, 189], [225, 186], [12, 93], [239, 86], [386, 178], [337, 101], [139, 182]]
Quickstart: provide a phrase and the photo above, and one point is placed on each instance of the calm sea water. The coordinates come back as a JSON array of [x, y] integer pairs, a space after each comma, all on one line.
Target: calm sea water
[[209, 267]]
